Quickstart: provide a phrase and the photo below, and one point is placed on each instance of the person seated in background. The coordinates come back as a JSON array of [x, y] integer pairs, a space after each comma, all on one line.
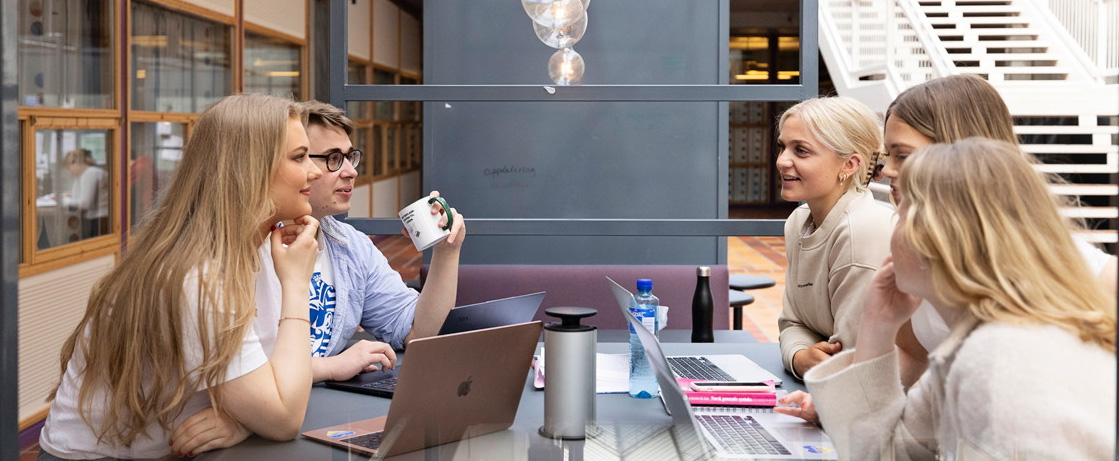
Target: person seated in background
[[89, 193], [836, 240], [169, 330], [1028, 370]]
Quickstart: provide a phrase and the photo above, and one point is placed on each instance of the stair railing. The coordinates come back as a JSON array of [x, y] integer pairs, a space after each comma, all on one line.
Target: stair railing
[[1092, 24]]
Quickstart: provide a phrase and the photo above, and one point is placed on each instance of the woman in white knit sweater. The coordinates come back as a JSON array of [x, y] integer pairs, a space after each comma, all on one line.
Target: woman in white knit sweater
[[838, 238], [1028, 370]]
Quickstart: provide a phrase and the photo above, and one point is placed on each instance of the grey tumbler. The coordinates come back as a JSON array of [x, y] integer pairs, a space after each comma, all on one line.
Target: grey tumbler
[[569, 374]]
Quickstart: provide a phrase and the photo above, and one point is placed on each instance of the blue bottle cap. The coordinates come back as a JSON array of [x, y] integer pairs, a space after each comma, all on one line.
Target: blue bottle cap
[[644, 284]]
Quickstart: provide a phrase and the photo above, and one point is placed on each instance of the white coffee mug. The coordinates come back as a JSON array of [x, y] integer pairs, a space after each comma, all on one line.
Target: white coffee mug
[[422, 226]]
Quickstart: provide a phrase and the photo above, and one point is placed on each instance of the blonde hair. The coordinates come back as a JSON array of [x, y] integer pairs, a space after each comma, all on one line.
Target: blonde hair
[[844, 125], [207, 225], [990, 229], [949, 109], [952, 108]]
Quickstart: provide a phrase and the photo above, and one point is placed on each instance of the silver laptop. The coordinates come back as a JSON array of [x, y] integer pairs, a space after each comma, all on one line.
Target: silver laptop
[[730, 432], [488, 314], [712, 367], [494, 313], [447, 394]]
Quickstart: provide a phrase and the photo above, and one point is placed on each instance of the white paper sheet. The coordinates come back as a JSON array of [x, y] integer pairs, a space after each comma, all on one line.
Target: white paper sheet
[[611, 372]]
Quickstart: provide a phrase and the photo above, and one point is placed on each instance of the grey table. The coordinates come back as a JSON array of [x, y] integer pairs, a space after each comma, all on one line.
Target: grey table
[[328, 407]]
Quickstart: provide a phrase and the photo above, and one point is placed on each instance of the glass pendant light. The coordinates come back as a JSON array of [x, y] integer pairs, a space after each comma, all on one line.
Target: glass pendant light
[[565, 67]]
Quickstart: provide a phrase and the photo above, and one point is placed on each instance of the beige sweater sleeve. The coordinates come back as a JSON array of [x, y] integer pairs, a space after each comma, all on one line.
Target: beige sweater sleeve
[[848, 286], [795, 336], [865, 412]]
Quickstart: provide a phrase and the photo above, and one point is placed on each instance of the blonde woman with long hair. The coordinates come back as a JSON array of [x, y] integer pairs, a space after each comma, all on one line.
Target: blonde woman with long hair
[[978, 235], [837, 239], [169, 331], [946, 110]]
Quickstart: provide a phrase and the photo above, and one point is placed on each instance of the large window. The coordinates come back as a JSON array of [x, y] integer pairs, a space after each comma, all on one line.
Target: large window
[[411, 118], [397, 129], [272, 66], [65, 54], [180, 63], [74, 188], [361, 112], [157, 149]]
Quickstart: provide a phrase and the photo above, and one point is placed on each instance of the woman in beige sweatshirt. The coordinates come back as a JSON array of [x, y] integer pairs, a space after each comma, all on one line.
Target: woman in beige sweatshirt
[[839, 236], [1028, 370]]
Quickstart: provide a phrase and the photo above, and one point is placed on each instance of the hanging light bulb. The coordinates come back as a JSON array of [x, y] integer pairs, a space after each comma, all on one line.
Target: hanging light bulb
[[562, 37], [565, 67], [554, 13]]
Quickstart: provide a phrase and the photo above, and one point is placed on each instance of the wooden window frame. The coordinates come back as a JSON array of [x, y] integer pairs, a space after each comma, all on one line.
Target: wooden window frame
[[187, 119], [189, 9], [36, 261], [304, 66]]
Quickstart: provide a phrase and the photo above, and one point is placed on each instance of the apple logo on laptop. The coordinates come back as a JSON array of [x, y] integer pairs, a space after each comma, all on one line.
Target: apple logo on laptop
[[464, 387]]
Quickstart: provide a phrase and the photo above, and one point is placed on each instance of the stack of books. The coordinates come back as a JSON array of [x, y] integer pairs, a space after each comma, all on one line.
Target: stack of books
[[747, 395]]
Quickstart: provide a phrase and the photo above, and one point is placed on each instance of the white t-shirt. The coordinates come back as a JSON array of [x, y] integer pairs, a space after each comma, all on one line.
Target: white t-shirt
[[931, 329], [90, 193], [323, 302], [269, 292], [66, 435]]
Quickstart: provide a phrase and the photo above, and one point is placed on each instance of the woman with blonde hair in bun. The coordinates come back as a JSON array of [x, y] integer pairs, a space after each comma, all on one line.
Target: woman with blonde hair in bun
[[835, 240]]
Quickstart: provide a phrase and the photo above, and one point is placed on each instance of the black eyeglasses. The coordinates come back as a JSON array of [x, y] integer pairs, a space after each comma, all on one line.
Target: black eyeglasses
[[334, 159]]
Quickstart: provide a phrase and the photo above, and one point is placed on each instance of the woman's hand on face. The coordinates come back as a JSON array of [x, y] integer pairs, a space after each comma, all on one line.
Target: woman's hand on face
[[884, 302], [294, 250]]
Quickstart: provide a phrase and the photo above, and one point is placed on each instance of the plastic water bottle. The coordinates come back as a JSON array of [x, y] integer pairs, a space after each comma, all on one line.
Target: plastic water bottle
[[642, 382]]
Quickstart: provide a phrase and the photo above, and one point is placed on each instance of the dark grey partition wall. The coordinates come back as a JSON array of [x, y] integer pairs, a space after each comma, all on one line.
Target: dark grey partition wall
[[578, 159], [630, 167]]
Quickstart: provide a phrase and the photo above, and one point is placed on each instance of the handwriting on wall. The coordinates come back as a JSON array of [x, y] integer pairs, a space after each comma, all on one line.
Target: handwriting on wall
[[510, 170]]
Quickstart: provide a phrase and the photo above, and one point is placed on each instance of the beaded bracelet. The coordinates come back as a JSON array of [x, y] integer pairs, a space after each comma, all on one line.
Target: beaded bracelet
[[291, 318]]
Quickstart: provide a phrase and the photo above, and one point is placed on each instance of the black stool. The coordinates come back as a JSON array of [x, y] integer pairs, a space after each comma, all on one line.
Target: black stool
[[738, 298], [749, 282]]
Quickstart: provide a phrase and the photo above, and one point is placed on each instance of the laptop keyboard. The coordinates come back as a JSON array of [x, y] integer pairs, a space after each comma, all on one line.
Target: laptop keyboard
[[697, 368], [741, 435], [386, 385], [371, 441]]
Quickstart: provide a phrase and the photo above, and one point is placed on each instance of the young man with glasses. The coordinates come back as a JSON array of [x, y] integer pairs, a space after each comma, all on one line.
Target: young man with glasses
[[353, 284]]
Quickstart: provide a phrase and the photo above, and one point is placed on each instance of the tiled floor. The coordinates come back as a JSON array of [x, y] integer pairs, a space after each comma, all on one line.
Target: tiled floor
[[760, 256], [29, 453]]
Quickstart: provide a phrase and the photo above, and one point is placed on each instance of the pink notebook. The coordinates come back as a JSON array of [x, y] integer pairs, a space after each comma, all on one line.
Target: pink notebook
[[725, 398]]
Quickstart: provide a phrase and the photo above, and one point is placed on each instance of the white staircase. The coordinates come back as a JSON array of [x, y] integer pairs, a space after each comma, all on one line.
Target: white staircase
[[1058, 80]]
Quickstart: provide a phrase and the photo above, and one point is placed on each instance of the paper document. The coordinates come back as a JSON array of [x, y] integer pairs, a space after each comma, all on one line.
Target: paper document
[[611, 372]]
